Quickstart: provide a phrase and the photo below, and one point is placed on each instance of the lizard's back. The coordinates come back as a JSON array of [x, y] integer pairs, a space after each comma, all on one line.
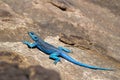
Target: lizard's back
[[45, 47]]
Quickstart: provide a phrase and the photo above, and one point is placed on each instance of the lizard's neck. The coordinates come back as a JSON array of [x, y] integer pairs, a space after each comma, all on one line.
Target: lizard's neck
[[40, 40]]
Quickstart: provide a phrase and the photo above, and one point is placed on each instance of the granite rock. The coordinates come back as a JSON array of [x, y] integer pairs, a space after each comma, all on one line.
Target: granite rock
[[93, 21]]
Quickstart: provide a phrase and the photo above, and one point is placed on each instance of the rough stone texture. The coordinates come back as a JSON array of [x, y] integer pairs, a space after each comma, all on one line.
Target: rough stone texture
[[15, 67], [12, 57], [66, 69], [76, 41], [95, 21]]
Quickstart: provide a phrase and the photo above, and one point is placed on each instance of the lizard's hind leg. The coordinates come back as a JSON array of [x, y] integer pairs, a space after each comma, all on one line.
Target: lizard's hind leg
[[64, 49], [55, 57]]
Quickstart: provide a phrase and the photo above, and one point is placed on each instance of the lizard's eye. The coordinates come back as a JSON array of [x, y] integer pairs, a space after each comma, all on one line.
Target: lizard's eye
[[32, 33]]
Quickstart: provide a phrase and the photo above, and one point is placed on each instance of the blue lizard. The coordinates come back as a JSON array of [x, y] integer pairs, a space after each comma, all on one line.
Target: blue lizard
[[56, 53]]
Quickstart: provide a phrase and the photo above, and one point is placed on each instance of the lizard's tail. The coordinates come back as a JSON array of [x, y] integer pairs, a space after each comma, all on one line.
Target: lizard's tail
[[68, 58]]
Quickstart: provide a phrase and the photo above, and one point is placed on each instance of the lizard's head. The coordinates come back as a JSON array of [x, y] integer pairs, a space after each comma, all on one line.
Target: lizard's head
[[33, 36]]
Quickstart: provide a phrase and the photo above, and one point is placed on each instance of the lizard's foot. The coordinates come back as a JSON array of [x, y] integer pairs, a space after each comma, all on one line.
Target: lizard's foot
[[30, 45], [25, 42], [64, 49], [55, 57], [56, 61]]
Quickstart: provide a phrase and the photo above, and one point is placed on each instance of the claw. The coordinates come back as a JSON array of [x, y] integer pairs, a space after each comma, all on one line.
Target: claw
[[56, 61]]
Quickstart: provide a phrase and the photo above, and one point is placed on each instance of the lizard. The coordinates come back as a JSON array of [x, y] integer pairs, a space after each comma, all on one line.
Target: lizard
[[56, 53]]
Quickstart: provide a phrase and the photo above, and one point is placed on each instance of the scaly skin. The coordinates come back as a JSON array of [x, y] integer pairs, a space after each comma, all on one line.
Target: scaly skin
[[56, 53]]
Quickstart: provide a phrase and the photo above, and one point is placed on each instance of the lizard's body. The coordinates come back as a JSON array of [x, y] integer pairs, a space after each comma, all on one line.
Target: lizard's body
[[56, 53]]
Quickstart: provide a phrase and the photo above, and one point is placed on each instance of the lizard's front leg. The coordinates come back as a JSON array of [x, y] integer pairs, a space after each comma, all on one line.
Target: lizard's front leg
[[31, 45], [64, 49], [55, 57]]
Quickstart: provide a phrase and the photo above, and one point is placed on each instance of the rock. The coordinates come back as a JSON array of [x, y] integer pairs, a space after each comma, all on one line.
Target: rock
[[4, 13], [40, 73], [12, 57], [105, 31], [10, 69], [92, 21], [76, 41], [35, 58], [113, 7], [11, 72], [83, 20]]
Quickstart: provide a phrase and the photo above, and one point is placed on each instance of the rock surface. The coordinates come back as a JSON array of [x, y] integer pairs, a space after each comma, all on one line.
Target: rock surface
[[93, 21], [14, 67]]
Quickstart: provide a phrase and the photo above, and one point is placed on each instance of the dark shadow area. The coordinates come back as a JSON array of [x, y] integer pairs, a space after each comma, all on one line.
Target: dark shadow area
[[10, 69], [112, 5], [4, 13], [12, 57], [63, 5], [40, 73], [77, 41], [12, 72]]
